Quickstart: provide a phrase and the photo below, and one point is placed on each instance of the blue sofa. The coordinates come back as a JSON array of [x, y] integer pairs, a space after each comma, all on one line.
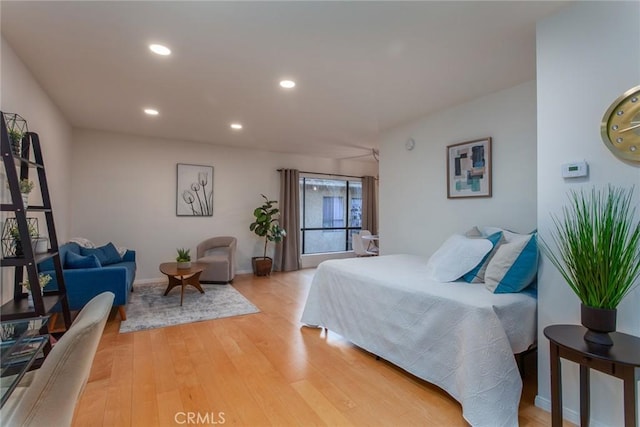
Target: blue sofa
[[85, 283]]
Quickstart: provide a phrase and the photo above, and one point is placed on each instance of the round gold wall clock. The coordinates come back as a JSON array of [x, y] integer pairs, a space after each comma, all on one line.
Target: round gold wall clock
[[621, 126]]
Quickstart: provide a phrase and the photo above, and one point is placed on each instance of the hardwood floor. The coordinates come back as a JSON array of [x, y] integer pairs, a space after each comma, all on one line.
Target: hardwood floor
[[258, 370]]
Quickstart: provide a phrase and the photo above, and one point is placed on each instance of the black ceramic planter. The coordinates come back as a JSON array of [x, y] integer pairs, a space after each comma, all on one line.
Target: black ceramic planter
[[599, 322]]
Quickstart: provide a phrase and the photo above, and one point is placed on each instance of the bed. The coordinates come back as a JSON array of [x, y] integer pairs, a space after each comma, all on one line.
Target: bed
[[456, 335]]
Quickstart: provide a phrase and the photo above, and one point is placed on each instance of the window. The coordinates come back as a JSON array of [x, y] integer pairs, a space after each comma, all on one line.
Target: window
[[330, 211]]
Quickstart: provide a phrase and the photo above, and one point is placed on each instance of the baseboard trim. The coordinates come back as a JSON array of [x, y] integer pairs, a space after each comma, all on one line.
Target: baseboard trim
[[567, 414], [147, 281], [542, 403]]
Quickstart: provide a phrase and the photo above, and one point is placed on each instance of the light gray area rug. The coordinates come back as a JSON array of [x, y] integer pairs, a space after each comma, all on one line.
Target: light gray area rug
[[149, 309]]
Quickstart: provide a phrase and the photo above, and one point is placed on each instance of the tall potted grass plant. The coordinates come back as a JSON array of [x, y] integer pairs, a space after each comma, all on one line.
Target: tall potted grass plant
[[596, 248]]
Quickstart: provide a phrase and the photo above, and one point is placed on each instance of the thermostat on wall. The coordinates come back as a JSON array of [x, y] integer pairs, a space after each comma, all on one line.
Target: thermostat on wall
[[575, 169]]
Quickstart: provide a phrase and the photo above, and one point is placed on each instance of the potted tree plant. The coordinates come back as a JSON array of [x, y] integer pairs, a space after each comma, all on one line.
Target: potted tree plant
[[598, 254], [266, 225], [183, 258]]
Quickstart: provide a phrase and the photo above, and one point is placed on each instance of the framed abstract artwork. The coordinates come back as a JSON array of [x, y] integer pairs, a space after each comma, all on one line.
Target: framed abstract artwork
[[469, 169], [194, 190]]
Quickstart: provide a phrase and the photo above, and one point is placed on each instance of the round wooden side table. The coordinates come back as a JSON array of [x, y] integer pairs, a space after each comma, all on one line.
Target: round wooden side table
[[182, 276]]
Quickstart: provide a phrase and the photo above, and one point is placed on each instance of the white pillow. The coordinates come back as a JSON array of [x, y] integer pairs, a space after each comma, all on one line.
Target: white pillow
[[457, 256]]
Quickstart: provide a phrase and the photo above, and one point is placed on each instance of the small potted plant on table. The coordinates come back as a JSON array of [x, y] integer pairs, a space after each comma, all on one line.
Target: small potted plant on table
[[266, 225], [183, 258]]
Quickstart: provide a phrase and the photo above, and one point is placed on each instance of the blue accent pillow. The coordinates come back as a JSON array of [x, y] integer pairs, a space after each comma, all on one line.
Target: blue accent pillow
[[73, 261], [477, 274], [514, 265], [107, 254]]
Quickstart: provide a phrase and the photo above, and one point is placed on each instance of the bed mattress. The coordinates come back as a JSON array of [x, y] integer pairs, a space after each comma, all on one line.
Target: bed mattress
[[458, 335]]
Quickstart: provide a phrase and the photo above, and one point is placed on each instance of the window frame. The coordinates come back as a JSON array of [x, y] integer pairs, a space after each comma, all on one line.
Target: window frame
[[348, 228]]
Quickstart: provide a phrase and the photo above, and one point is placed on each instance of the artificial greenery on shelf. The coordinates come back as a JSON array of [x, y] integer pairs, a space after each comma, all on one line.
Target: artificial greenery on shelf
[[43, 280], [26, 186], [15, 232], [15, 135], [16, 128], [598, 245]]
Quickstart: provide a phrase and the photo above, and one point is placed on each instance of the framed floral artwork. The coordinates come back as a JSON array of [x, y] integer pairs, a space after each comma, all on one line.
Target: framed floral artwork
[[194, 190], [469, 169]]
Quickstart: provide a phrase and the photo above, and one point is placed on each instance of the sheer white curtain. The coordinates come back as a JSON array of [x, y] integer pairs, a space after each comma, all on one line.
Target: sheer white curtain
[[287, 255]]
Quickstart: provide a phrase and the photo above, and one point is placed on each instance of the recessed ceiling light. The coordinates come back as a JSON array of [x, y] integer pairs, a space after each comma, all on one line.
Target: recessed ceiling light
[[288, 84], [160, 49], [236, 126], [151, 111]]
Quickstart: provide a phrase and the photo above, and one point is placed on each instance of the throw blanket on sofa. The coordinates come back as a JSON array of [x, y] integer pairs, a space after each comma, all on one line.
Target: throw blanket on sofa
[[458, 336]]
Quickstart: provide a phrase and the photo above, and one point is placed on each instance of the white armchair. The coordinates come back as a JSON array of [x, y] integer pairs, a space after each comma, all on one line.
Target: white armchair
[[219, 253], [48, 396]]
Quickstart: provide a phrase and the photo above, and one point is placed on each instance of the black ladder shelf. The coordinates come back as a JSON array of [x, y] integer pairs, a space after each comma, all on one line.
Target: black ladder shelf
[[18, 307]]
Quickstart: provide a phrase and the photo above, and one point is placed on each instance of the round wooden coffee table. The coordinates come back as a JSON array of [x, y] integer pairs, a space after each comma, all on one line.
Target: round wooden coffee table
[[182, 276]]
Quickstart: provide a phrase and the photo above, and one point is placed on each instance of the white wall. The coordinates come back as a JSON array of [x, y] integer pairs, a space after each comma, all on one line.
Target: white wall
[[587, 56], [415, 214], [124, 191], [21, 93]]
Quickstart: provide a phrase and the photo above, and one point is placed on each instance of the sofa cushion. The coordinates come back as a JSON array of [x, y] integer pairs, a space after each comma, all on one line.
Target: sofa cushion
[[63, 250], [131, 270], [73, 260], [215, 259], [107, 254]]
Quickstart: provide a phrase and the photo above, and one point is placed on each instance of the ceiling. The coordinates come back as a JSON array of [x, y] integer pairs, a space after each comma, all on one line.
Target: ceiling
[[361, 67]]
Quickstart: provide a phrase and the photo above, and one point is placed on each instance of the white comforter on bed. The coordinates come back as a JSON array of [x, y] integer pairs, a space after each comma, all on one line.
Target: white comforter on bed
[[457, 335]]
